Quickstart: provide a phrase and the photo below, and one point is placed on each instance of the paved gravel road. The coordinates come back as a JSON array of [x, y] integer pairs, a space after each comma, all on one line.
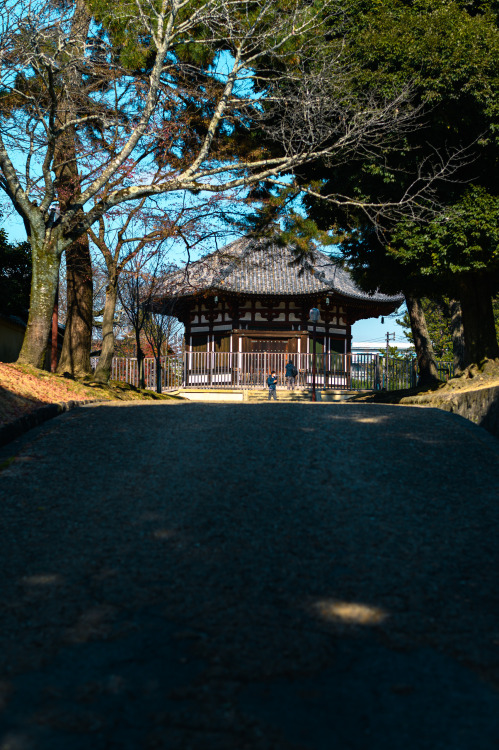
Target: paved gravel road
[[265, 576]]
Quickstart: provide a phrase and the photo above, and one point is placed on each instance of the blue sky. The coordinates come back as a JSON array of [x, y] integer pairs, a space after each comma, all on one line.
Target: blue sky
[[373, 330]]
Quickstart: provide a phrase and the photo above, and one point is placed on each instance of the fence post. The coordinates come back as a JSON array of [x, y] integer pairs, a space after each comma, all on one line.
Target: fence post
[[377, 372], [414, 372]]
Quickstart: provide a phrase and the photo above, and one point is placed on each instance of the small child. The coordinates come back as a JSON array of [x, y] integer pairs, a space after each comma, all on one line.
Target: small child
[[272, 382]]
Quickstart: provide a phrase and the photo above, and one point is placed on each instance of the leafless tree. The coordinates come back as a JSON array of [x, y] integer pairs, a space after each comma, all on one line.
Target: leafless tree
[[140, 290], [134, 290], [161, 326], [133, 237]]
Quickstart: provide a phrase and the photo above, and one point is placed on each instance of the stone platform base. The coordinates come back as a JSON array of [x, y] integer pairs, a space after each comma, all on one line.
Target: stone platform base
[[199, 394], [258, 395]]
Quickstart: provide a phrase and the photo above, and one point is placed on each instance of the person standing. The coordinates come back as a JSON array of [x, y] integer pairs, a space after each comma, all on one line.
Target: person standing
[[272, 384], [291, 373]]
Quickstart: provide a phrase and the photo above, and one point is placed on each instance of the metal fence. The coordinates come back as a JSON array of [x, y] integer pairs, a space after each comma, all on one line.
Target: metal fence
[[403, 373], [125, 370], [250, 370]]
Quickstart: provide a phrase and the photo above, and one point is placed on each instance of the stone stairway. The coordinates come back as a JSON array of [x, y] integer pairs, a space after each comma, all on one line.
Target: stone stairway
[[261, 395], [282, 395], [297, 395]]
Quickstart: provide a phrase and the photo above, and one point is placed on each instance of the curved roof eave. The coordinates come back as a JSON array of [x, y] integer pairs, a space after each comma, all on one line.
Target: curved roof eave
[[265, 267]]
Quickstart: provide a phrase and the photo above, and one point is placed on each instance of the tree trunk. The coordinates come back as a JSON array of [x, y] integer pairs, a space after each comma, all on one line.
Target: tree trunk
[[44, 282], [158, 374], [478, 319], [457, 333], [140, 362], [427, 365], [75, 355], [55, 332], [103, 369]]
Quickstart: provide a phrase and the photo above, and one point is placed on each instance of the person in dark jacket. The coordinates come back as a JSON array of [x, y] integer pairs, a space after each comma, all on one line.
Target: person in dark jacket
[[291, 373], [272, 383]]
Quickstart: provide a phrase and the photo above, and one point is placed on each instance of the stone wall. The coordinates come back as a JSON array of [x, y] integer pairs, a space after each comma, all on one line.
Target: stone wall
[[480, 405]]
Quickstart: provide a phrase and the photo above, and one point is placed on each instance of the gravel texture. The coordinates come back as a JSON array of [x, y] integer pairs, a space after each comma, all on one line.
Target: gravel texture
[[250, 576], [17, 427]]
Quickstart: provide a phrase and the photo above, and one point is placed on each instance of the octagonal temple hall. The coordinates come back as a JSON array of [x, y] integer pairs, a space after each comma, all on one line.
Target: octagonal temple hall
[[253, 296]]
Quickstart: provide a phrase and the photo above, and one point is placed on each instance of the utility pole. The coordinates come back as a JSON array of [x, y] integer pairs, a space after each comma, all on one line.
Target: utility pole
[[389, 337]]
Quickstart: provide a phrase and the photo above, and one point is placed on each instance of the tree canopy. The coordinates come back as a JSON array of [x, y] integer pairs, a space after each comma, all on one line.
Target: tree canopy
[[384, 114], [448, 54], [103, 104]]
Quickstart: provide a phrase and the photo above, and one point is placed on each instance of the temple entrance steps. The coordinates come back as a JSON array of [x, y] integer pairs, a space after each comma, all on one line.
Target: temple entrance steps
[[210, 395], [259, 395], [254, 396]]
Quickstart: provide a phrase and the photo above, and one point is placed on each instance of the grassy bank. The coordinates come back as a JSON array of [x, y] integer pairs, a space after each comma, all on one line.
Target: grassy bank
[[25, 389]]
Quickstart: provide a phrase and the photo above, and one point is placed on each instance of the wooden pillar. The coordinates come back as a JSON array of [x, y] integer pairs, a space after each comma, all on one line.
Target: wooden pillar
[[348, 355], [232, 359]]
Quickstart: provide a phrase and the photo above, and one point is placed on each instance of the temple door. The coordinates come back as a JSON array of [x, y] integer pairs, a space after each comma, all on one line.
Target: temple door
[[277, 354], [268, 355], [269, 345]]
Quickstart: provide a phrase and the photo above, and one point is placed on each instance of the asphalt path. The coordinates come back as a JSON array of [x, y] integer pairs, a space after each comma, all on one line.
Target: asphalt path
[[267, 576]]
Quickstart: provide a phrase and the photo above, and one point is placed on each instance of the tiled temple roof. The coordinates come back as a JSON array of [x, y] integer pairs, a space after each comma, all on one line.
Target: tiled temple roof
[[262, 266]]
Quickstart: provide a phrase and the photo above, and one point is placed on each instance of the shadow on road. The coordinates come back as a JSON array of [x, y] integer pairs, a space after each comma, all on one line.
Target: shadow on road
[[244, 576]]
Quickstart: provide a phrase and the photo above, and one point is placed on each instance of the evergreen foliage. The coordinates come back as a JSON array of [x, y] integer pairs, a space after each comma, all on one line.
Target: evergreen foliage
[[448, 53], [15, 277], [438, 323]]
